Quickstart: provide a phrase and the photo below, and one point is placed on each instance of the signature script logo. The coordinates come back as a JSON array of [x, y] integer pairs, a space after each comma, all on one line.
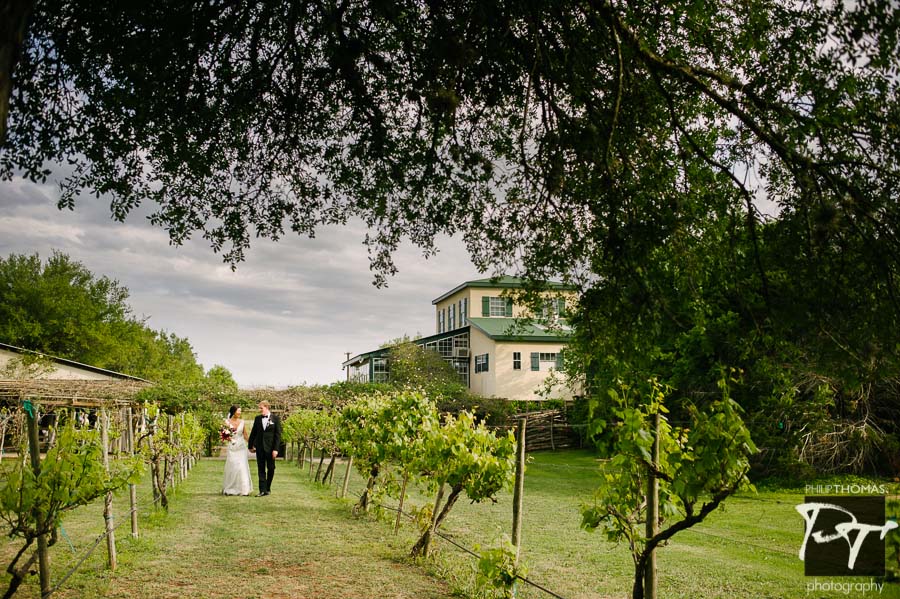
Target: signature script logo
[[827, 522]]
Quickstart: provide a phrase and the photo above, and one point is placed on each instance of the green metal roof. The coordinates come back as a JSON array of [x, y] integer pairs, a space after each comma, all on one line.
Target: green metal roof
[[517, 329], [504, 282], [383, 351]]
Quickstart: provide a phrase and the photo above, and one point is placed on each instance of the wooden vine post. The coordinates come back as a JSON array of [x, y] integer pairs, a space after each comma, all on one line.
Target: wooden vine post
[[170, 459], [182, 457], [402, 497], [107, 503], [132, 488], [3, 423], [347, 476], [34, 449], [650, 586], [519, 488]]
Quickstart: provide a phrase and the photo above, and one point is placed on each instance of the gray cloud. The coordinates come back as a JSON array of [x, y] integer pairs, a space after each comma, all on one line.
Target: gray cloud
[[285, 316]]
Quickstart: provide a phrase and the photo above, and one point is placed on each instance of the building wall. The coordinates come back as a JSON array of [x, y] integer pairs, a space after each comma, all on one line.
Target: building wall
[[453, 300], [482, 383], [501, 380], [475, 295], [56, 371], [523, 384]]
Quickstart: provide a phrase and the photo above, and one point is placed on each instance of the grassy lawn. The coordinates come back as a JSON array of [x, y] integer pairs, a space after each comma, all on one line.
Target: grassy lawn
[[303, 542], [748, 549]]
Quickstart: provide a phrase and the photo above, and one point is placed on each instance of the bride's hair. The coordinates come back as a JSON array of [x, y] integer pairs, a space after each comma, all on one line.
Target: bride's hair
[[231, 411]]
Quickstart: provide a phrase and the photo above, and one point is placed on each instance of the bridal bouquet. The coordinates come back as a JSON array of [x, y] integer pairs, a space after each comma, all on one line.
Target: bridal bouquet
[[226, 433]]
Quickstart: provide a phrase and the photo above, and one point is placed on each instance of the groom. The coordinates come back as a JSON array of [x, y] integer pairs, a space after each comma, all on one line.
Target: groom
[[265, 439]]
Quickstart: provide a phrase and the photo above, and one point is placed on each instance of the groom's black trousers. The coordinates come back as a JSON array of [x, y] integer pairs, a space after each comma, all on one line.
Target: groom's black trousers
[[265, 465]]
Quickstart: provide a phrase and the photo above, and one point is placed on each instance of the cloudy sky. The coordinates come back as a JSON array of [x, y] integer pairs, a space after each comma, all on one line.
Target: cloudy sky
[[286, 316]]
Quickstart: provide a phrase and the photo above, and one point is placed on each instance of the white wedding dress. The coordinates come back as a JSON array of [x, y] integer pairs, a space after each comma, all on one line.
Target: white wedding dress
[[237, 466]]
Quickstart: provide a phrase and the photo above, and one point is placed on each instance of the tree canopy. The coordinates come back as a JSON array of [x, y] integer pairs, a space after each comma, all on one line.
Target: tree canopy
[[719, 179], [598, 127], [59, 307]]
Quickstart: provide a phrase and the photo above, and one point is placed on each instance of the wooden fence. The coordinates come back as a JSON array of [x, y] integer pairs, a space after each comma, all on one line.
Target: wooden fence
[[547, 429]]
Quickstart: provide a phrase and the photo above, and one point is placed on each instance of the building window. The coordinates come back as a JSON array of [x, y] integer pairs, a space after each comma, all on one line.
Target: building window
[[545, 357], [445, 347], [552, 308], [498, 306], [463, 311], [462, 370], [452, 316], [481, 363], [380, 370], [517, 360]]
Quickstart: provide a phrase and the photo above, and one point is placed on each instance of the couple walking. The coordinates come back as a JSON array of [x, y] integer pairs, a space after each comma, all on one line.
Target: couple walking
[[264, 440]]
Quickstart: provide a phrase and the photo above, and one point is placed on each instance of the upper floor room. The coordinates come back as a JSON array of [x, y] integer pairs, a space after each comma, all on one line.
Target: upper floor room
[[495, 298]]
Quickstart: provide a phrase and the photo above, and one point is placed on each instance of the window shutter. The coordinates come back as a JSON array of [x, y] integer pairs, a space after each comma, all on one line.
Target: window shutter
[[486, 356], [508, 307], [559, 360], [560, 306], [485, 306], [535, 360]]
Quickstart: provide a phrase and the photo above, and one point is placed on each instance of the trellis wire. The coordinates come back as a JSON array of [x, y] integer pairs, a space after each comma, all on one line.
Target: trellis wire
[[463, 548]]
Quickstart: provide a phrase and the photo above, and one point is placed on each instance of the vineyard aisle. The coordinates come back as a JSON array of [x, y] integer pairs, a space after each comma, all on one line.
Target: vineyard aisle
[[298, 542]]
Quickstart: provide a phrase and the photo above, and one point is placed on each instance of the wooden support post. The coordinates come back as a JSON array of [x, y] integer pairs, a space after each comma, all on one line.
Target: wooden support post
[[519, 488], [310, 459], [107, 504], [402, 497], [181, 454], [170, 462], [650, 582], [34, 449], [3, 437], [346, 477], [132, 488], [552, 443]]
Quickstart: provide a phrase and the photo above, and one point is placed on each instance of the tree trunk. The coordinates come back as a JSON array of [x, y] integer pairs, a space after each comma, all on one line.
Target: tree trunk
[[363, 504], [18, 574], [38, 516], [329, 471], [425, 540], [14, 15], [319, 469]]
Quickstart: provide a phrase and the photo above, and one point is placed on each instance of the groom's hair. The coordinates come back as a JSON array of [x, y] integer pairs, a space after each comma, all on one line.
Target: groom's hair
[[264, 403], [232, 410]]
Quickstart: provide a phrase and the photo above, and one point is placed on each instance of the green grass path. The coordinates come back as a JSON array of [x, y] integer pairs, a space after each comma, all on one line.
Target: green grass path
[[303, 542], [299, 542]]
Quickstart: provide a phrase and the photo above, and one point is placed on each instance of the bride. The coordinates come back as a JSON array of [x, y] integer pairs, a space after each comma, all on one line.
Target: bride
[[237, 467]]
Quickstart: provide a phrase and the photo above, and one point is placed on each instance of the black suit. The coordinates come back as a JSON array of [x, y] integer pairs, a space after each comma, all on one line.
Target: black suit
[[265, 441]]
